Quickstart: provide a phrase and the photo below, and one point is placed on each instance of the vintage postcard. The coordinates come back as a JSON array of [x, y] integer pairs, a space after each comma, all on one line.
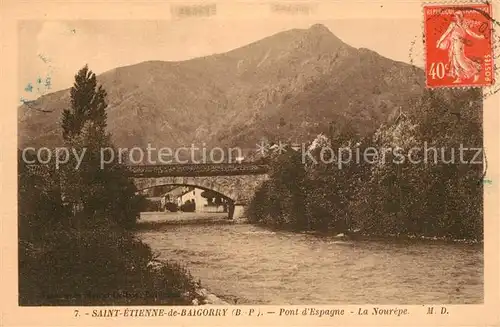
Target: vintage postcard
[[259, 163]]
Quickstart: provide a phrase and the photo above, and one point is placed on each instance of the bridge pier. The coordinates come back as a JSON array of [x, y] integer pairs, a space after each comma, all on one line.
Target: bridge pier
[[239, 211]]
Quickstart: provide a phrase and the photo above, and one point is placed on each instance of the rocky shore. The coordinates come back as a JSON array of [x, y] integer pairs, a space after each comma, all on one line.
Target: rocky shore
[[201, 297], [207, 298]]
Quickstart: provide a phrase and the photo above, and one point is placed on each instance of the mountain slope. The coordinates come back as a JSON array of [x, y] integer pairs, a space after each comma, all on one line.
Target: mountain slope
[[290, 86]]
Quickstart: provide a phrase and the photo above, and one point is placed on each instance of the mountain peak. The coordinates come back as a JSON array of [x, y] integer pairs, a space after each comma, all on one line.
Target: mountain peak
[[320, 31], [318, 38], [320, 28]]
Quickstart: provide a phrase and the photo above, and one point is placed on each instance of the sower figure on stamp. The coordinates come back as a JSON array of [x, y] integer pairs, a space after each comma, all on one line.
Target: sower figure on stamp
[[453, 39]]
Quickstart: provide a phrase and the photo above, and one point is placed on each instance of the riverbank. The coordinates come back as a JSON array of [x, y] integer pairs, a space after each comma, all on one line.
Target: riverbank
[[358, 235], [208, 298], [201, 295], [156, 220], [159, 219]]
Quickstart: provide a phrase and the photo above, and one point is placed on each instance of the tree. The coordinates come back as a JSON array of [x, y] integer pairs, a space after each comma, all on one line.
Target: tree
[[88, 259], [40, 207], [212, 197], [104, 191], [88, 102], [209, 194], [218, 201]]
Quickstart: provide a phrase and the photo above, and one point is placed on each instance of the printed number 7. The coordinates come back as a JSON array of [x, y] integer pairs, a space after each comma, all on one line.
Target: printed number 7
[[76, 313]]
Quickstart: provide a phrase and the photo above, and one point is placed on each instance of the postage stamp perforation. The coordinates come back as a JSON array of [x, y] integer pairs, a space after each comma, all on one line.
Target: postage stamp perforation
[[495, 39], [463, 56]]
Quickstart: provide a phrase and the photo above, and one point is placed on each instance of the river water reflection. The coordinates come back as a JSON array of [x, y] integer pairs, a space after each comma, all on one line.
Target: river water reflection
[[252, 265]]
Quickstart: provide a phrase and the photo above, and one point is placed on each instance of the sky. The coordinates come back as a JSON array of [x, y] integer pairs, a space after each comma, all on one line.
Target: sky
[[60, 48]]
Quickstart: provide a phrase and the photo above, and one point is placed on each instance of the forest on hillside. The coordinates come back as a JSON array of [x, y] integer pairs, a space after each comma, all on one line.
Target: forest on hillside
[[442, 199]]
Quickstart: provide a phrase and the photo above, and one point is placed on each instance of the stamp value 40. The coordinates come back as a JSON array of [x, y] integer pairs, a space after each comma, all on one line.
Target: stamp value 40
[[458, 43]]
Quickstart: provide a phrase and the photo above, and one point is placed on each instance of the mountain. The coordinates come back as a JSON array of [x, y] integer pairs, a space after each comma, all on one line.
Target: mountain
[[289, 86]]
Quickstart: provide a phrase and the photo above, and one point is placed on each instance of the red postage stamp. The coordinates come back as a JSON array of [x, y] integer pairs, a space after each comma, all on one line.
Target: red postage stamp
[[458, 45]]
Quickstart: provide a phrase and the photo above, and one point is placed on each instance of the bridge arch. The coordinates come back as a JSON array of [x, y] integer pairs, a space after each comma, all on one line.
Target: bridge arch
[[204, 188], [239, 189]]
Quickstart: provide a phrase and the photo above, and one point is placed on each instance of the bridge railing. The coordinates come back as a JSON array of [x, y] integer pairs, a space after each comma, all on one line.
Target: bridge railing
[[210, 169]]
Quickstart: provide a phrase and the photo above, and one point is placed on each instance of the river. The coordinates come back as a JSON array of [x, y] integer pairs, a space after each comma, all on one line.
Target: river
[[245, 264]]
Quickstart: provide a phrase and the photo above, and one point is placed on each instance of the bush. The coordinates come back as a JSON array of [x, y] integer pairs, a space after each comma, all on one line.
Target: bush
[[188, 207], [82, 259], [172, 207], [257, 208], [98, 267], [389, 198], [152, 205], [78, 252]]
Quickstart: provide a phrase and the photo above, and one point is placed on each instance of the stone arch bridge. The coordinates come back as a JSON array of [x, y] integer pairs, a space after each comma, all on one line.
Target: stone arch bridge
[[237, 182]]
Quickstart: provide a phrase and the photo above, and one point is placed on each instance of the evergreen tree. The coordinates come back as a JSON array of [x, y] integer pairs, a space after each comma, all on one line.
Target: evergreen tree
[[105, 193], [88, 103]]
